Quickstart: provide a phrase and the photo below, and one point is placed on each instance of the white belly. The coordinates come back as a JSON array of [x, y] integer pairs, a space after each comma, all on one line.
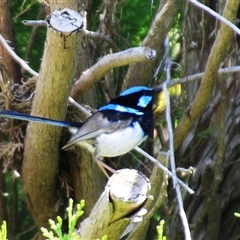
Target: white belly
[[120, 142]]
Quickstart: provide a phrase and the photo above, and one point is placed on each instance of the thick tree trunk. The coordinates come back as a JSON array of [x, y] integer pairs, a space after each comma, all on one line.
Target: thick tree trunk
[[41, 156]]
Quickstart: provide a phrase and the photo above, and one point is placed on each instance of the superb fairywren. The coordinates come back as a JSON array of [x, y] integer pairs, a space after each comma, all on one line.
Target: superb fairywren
[[114, 129]]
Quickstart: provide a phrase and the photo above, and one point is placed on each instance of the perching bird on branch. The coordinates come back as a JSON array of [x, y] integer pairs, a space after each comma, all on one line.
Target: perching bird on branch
[[114, 129]]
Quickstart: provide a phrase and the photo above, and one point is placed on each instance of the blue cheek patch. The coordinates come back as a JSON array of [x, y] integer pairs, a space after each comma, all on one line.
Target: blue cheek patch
[[144, 101], [121, 109]]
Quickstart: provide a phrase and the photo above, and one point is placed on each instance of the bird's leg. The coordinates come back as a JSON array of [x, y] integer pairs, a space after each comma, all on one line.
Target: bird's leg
[[103, 166]]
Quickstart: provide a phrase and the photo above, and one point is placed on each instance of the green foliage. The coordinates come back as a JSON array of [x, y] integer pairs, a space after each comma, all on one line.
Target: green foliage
[[135, 18], [17, 210], [160, 230], [28, 10], [3, 231], [72, 221]]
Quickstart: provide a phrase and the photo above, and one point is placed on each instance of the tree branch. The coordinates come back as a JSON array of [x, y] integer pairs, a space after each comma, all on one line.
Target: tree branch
[[126, 192], [199, 76], [96, 72], [98, 35], [159, 184], [182, 213], [163, 168], [15, 57], [84, 30], [216, 15]]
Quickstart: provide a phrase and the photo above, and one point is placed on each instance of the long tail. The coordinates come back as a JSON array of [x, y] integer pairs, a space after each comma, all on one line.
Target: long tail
[[25, 117]]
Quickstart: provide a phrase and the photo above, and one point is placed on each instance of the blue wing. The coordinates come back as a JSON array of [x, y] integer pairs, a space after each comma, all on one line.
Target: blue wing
[[25, 117]]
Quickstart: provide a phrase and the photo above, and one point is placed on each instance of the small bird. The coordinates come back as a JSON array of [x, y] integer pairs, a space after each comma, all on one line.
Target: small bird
[[115, 129]]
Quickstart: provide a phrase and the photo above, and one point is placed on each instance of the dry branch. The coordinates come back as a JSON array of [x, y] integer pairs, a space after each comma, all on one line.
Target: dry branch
[[84, 30], [198, 76], [181, 210], [96, 72], [216, 15], [16, 58], [120, 203]]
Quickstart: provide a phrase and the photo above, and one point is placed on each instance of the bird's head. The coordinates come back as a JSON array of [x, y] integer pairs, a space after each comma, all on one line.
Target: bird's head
[[139, 98]]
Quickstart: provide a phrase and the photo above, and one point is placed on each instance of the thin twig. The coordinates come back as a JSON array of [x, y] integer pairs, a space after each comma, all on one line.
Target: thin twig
[[216, 15], [79, 106], [16, 57], [33, 23], [28, 8], [200, 75], [182, 213], [84, 31], [168, 64], [98, 35], [152, 159]]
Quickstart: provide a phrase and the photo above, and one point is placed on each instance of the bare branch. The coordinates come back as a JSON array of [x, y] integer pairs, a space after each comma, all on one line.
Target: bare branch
[[199, 76], [216, 15], [96, 72], [121, 202], [159, 165], [79, 106], [43, 138], [84, 31], [28, 8], [34, 23], [138, 73], [182, 213], [16, 57], [98, 35]]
